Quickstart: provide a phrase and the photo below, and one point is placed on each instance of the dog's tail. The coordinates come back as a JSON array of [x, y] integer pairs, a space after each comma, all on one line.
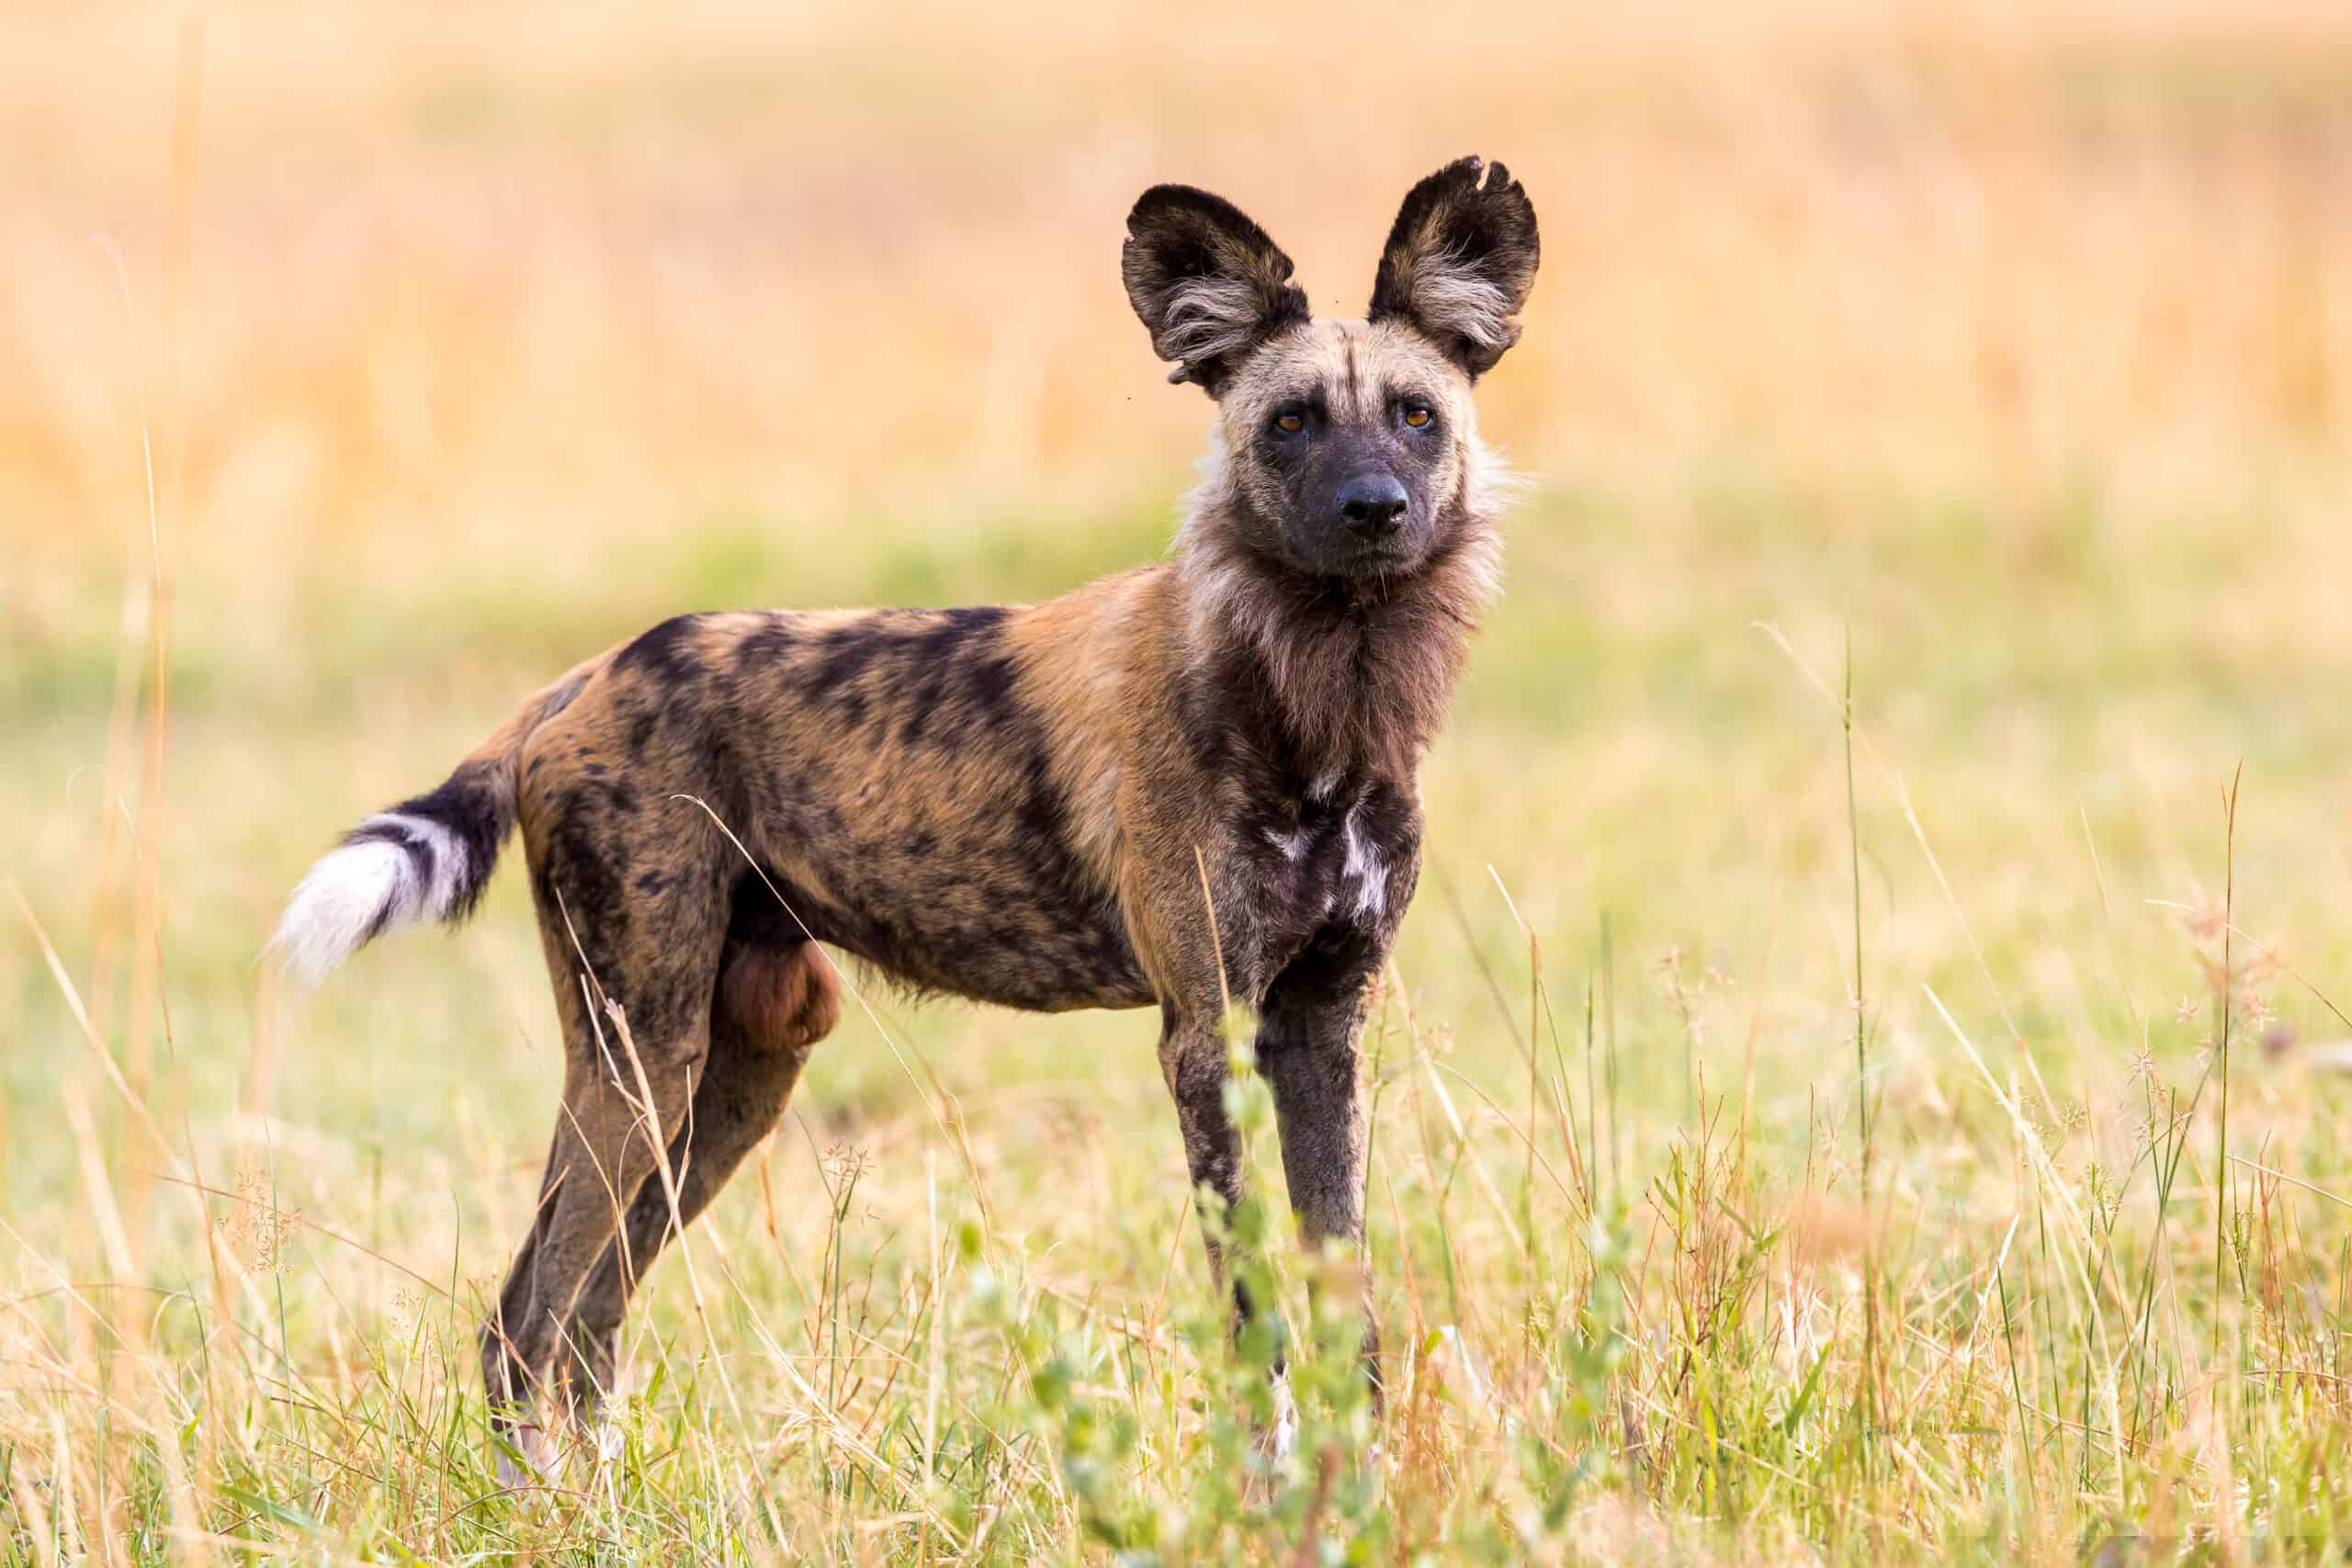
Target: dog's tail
[[428, 858]]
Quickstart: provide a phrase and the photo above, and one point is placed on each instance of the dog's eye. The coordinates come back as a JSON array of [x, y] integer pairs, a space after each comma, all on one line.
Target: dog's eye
[[1290, 421], [1418, 414]]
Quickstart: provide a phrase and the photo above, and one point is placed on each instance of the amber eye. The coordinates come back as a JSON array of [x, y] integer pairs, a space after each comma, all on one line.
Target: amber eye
[[1418, 415], [1291, 423]]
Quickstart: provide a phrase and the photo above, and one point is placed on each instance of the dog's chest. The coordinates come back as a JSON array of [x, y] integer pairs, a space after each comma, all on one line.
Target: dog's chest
[[1332, 854]]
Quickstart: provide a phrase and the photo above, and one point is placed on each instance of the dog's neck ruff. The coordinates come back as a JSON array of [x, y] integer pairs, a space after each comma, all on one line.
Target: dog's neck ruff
[[1358, 672]]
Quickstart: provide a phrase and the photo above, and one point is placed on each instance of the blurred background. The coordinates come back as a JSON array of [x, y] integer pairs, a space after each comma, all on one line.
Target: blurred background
[[2012, 344]]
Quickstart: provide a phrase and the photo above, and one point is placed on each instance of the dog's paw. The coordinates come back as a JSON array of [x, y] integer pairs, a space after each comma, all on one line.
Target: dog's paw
[[538, 1457], [1281, 1437], [608, 1441]]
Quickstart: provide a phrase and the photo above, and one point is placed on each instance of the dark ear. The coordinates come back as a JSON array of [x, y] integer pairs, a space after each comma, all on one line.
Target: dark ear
[[1460, 261], [1208, 284]]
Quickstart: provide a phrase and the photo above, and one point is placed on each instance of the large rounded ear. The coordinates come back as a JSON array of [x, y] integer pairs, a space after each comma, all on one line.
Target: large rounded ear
[[1460, 260], [1208, 284]]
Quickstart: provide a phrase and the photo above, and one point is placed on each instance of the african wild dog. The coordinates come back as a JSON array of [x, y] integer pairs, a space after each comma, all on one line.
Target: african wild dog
[[1026, 804]]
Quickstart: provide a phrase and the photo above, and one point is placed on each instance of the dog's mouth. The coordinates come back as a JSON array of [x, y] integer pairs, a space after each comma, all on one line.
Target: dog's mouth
[[1388, 559], [1339, 556]]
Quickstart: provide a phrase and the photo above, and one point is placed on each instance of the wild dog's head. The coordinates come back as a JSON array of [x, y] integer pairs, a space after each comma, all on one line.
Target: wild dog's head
[[1350, 446]]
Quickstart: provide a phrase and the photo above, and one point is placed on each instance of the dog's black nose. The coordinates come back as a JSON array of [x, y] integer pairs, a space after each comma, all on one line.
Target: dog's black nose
[[1371, 505]]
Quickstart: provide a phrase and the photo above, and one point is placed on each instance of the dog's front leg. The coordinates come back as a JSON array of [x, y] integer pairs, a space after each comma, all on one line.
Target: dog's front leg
[[1312, 1020], [1192, 1060]]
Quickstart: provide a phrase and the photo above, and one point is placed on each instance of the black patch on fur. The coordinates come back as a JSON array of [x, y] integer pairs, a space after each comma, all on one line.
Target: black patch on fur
[[918, 672], [778, 639], [1207, 731], [952, 630], [926, 703], [988, 690], [1324, 974], [641, 729], [581, 880], [1044, 816], [843, 655], [663, 652], [758, 918]]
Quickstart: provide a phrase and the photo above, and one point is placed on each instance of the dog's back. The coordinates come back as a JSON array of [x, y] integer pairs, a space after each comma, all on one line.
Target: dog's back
[[933, 791]]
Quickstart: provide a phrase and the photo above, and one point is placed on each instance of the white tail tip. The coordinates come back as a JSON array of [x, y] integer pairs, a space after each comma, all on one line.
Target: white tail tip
[[366, 888]]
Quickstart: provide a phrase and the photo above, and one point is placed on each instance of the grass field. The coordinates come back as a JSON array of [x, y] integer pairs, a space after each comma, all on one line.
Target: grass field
[[1998, 364]]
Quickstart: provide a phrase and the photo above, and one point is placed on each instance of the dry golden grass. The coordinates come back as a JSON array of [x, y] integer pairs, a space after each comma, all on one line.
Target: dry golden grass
[[2016, 345]]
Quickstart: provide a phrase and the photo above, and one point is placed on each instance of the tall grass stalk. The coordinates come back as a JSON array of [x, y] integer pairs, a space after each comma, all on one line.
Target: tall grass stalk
[[1862, 1077], [2225, 999]]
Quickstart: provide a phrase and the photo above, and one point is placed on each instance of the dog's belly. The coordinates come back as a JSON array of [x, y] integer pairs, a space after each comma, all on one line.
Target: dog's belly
[[1044, 960], [958, 931]]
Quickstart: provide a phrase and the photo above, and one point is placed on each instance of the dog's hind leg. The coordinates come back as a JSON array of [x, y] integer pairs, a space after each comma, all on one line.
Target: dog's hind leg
[[773, 1005], [634, 980]]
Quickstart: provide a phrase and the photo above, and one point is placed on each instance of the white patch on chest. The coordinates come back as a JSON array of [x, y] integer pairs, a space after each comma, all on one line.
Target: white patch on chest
[[1371, 879], [1293, 844]]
